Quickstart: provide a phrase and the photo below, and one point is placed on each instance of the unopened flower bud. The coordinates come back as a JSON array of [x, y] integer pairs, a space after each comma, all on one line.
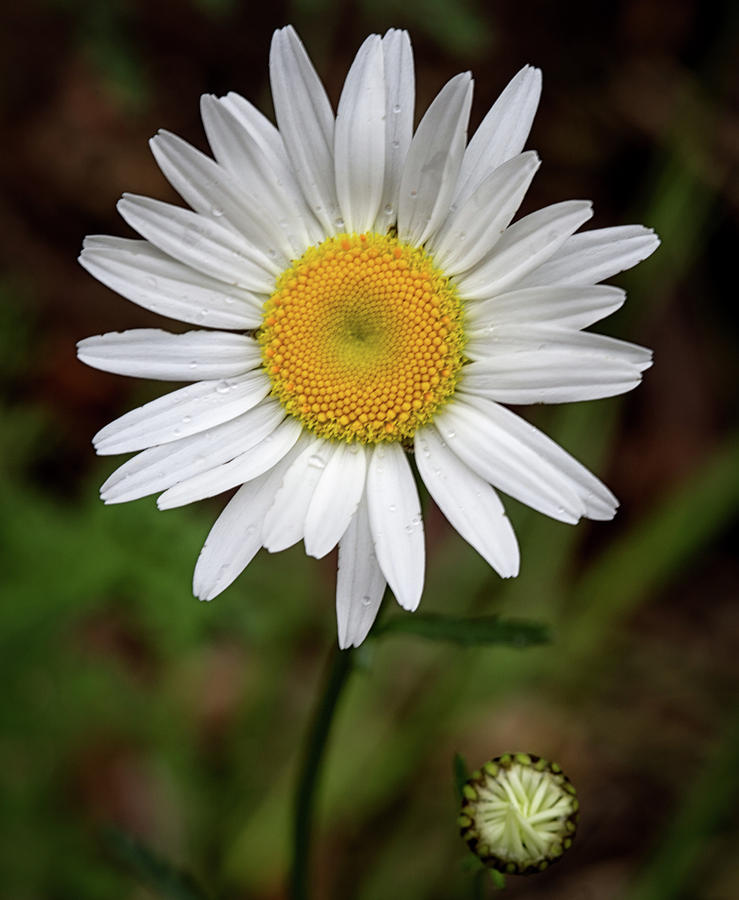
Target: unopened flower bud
[[519, 813]]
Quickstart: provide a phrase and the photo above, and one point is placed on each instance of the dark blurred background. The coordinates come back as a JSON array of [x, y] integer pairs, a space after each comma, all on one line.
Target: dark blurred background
[[126, 702]]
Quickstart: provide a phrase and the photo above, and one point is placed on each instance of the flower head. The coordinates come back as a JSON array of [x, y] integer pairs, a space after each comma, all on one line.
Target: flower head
[[519, 813], [366, 300]]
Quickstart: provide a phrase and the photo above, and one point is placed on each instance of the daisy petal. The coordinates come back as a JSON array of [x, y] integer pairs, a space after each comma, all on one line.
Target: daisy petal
[[258, 127], [509, 339], [433, 161], [481, 440], [511, 454], [360, 583], [242, 468], [160, 467], [396, 523], [400, 96], [528, 364], [359, 139], [199, 242], [306, 123], [502, 133], [211, 191], [523, 246], [472, 231], [563, 307], [144, 275], [152, 353], [593, 256], [335, 499], [284, 522], [236, 536], [264, 177], [468, 502], [189, 410]]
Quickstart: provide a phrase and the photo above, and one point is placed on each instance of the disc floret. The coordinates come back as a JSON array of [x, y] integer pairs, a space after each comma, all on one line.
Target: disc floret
[[362, 338]]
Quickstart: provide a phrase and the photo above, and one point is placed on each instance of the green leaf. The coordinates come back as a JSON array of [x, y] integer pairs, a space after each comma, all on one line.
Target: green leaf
[[471, 632], [150, 869]]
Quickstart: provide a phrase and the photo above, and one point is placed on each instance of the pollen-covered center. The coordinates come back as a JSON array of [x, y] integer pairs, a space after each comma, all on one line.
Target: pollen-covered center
[[363, 338]]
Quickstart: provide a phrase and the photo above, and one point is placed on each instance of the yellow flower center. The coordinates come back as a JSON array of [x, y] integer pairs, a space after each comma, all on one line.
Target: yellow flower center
[[362, 338]]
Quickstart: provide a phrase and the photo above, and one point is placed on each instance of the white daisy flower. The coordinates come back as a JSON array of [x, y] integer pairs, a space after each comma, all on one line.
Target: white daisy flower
[[370, 303]]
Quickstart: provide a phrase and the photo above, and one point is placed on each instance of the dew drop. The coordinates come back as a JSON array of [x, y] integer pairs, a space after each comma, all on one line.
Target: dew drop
[[223, 387], [186, 420], [395, 145], [413, 195], [388, 210], [392, 507], [396, 109], [366, 601], [193, 364], [317, 462], [216, 211]]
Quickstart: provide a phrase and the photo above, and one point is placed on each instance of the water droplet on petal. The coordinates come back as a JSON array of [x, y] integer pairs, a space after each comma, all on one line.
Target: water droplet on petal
[[317, 462], [396, 109], [216, 211]]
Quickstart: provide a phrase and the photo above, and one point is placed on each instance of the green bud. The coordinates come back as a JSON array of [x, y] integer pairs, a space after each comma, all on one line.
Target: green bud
[[520, 813]]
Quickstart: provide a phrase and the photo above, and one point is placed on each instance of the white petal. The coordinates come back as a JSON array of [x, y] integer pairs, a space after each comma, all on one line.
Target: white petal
[[199, 242], [359, 138], [469, 503], [153, 353], [519, 459], [187, 411], [539, 364], [360, 583], [306, 123], [335, 499], [523, 246], [593, 256], [214, 193], [396, 523], [482, 442], [433, 161], [243, 468], [146, 276], [400, 97], [236, 536], [472, 231], [264, 177], [284, 523], [564, 307], [158, 468], [258, 127], [502, 133]]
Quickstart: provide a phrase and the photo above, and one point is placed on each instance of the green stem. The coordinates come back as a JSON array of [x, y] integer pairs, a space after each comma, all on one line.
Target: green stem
[[338, 670]]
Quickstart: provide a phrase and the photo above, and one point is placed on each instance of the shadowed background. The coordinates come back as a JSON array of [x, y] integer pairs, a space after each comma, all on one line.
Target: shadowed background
[[127, 702]]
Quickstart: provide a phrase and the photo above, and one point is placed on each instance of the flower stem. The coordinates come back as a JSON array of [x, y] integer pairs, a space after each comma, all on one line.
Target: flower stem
[[338, 669]]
